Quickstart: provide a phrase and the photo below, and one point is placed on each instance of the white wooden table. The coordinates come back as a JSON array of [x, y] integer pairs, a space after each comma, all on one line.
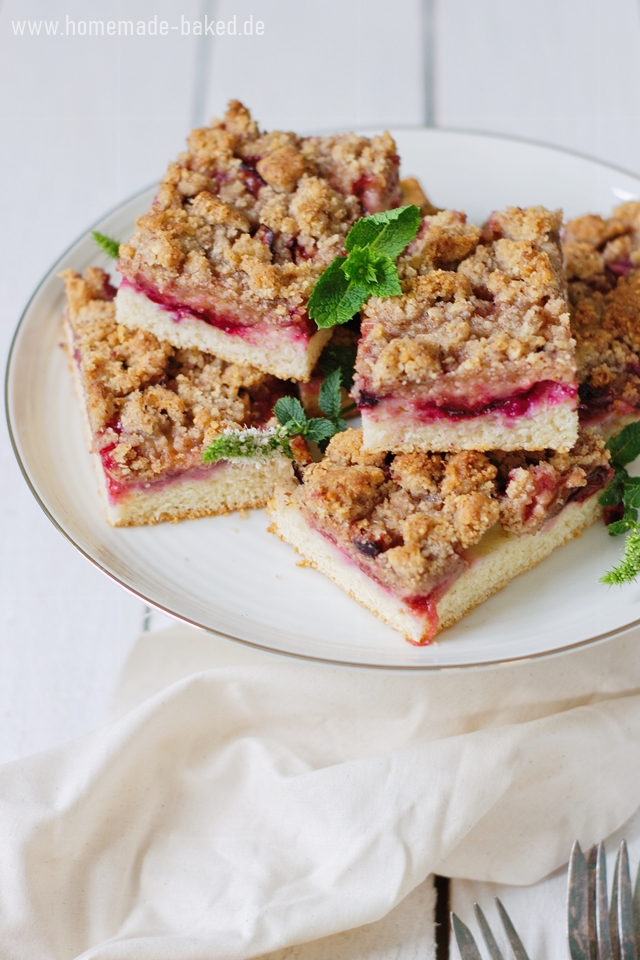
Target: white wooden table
[[87, 120]]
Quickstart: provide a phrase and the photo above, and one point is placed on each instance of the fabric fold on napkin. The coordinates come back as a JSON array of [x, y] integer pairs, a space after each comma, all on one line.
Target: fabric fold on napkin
[[251, 802]]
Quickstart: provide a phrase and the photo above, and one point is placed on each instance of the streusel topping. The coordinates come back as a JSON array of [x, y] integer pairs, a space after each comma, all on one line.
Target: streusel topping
[[479, 308], [408, 519], [151, 407], [602, 257], [246, 221]]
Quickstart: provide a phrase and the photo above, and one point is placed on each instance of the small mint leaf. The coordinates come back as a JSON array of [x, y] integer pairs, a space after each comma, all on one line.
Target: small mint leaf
[[631, 494], [339, 357], [319, 429], [388, 232], [110, 246], [289, 409], [625, 446], [388, 282], [613, 493], [366, 267], [619, 526], [335, 299], [330, 396]]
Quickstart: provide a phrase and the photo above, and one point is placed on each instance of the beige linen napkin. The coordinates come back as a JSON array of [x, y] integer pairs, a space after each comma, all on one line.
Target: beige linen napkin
[[265, 802]]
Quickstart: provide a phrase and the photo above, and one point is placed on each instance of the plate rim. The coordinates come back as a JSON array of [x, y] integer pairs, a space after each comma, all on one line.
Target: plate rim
[[411, 668]]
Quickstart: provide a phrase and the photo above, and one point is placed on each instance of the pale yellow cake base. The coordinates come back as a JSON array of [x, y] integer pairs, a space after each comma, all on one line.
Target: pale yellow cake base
[[555, 427], [232, 486], [496, 560], [286, 359]]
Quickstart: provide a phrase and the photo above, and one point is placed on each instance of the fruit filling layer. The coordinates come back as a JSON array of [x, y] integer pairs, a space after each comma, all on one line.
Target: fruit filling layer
[[245, 222], [602, 259], [483, 317], [409, 521], [153, 409], [299, 328], [521, 403]]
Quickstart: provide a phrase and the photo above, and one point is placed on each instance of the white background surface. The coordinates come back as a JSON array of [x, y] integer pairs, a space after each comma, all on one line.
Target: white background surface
[[85, 122]]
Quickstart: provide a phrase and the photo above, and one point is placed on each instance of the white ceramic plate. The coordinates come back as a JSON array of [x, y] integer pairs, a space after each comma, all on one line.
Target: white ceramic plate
[[229, 575]]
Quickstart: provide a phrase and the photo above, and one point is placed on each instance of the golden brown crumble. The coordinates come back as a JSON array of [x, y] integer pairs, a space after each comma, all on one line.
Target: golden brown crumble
[[151, 407], [602, 257], [479, 309], [412, 193], [244, 222], [408, 519]]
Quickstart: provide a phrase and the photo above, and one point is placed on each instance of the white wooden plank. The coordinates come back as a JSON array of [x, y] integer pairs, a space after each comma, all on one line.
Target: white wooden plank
[[86, 121], [566, 73], [322, 65]]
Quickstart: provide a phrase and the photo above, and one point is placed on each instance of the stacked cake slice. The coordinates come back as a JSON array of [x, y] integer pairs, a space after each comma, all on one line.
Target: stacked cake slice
[[151, 410], [243, 225], [471, 466]]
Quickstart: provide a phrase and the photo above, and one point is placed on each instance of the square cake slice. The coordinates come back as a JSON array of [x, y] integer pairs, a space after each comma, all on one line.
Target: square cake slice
[[151, 410], [602, 259], [242, 226], [477, 353], [420, 539]]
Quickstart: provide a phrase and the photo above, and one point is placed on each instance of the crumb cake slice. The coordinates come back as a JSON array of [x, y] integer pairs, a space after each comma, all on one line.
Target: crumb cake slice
[[602, 259], [477, 353], [242, 226], [151, 409], [420, 539]]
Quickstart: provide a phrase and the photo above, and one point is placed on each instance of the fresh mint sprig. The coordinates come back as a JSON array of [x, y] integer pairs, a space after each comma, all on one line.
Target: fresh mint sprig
[[373, 244], [623, 492], [293, 422], [110, 246]]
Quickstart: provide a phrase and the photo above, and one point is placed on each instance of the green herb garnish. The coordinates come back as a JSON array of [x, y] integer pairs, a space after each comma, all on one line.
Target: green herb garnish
[[293, 422], [110, 246], [340, 357], [624, 491], [373, 244]]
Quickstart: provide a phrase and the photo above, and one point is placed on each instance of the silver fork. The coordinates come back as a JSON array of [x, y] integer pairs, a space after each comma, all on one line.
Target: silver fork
[[467, 945], [598, 930]]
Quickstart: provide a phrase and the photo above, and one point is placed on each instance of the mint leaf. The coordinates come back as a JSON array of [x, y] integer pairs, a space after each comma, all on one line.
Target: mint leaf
[[631, 495], [388, 280], [619, 526], [629, 567], [288, 409], [387, 233], [625, 446], [614, 491], [110, 246], [339, 357], [319, 430], [366, 266], [330, 396], [335, 298]]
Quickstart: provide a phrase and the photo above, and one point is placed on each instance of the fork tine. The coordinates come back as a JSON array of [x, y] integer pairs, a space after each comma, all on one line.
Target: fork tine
[[578, 905], [490, 941], [626, 933], [592, 857], [519, 951], [464, 939], [602, 914], [613, 912]]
